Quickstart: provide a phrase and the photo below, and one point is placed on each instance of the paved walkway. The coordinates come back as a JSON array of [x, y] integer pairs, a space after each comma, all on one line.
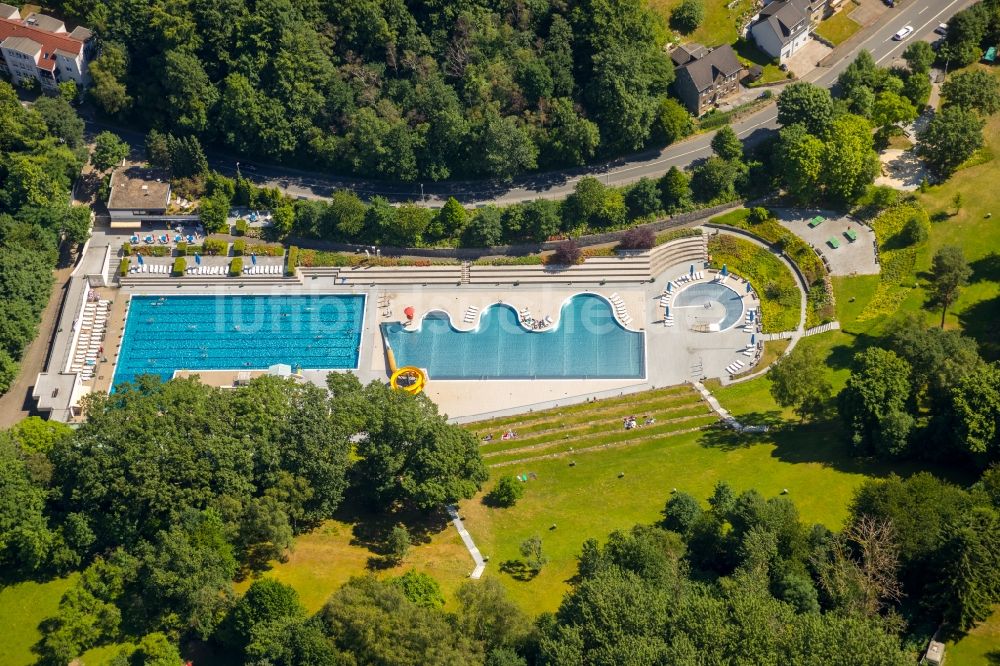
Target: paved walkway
[[456, 520], [17, 402], [724, 414], [822, 328]]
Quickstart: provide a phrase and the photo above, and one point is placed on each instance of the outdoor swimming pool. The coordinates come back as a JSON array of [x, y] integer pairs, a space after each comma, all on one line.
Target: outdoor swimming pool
[[164, 334], [715, 302], [587, 343]]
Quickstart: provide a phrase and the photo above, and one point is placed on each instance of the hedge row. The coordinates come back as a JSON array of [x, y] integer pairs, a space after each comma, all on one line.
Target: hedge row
[[239, 247], [180, 265], [123, 266], [292, 260], [236, 267]]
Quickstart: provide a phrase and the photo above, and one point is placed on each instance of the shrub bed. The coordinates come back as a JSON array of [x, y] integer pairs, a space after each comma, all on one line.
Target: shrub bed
[[321, 259], [896, 257], [180, 265], [126, 249], [241, 227], [265, 250], [820, 304], [292, 260], [236, 267], [673, 234], [526, 260], [215, 247], [152, 250], [182, 248], [771, 279], [239, 247], [123, 266]]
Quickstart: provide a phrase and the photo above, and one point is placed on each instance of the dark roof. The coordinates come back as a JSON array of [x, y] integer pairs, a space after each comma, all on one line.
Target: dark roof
[[784, 17], [685, 53], [720, 61]]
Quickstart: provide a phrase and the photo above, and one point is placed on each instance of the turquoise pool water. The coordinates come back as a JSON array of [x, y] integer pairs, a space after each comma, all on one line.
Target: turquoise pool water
[[164, 334], [697, 295], [587, 343]]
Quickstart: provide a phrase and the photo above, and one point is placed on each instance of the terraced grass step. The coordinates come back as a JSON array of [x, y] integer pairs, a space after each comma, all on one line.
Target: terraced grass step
[[664, 408], [603, 444], [605, 439], [523, 420], [592, 427]]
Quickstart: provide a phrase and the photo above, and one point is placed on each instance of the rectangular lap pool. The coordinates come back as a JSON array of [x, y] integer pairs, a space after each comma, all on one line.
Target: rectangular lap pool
[[168, 333], [587, 343]]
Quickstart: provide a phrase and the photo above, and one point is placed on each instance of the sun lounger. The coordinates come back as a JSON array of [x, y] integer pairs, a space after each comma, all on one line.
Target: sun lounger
[[748, 352]]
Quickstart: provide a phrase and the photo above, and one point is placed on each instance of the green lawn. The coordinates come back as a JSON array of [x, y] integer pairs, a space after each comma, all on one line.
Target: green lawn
[[22, 607], [978, 308], [719, 26], [749, 54], [588, 498], [980, 647], [838, 27]]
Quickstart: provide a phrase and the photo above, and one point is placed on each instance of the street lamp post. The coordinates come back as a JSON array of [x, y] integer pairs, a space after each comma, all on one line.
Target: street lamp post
[[422, 200]]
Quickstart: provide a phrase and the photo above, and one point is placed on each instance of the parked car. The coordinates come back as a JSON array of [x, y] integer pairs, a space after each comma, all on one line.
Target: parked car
[[903, 33], [942, 29]]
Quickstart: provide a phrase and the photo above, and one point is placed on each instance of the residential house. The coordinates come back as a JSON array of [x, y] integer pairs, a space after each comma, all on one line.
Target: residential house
[[783, 27], [705, 77], [137, 194], [39, 47]]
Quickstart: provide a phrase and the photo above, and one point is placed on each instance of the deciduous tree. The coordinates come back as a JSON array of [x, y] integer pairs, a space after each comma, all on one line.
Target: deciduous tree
[[949, 273]]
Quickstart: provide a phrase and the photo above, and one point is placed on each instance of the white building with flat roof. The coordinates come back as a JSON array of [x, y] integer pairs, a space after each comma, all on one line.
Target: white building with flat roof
[[39, 47]]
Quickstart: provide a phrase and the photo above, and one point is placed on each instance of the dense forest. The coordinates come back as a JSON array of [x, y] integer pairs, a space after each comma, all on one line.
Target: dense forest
[[404, 91], [41, 154]]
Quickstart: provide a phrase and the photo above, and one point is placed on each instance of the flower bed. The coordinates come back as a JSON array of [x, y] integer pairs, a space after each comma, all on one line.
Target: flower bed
[[820, 304], [774, 283], [897, 261], [321, 259]]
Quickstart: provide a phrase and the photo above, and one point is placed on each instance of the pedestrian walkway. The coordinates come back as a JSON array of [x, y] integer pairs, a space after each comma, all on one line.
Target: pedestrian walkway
[[724, 414], [477, 557], [822, 328]]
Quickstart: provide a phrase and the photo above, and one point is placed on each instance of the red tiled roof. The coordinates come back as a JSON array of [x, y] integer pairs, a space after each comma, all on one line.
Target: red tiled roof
[[50, 42]]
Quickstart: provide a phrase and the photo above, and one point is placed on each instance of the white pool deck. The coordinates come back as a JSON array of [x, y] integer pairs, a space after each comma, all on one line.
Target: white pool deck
[[674, 354]]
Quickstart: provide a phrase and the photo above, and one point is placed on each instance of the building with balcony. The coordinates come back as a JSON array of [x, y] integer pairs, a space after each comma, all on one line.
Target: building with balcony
[[38, 47]]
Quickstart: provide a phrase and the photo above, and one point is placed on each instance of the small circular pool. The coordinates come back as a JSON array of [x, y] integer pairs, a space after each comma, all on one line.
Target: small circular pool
[[708, 306]]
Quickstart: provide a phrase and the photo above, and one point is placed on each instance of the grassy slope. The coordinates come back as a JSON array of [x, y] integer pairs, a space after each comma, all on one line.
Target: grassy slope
[[22, 607], [838, 27], [719, 26]]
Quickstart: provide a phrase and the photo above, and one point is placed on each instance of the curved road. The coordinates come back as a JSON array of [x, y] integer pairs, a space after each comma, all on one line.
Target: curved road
[[923, 15]]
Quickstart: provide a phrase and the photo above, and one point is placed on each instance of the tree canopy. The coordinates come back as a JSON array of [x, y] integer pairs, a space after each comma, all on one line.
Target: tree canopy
[[387, 90]]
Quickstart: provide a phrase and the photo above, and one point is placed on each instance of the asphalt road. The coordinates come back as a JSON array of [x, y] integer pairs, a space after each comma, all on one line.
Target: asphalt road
[[923, 15]]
